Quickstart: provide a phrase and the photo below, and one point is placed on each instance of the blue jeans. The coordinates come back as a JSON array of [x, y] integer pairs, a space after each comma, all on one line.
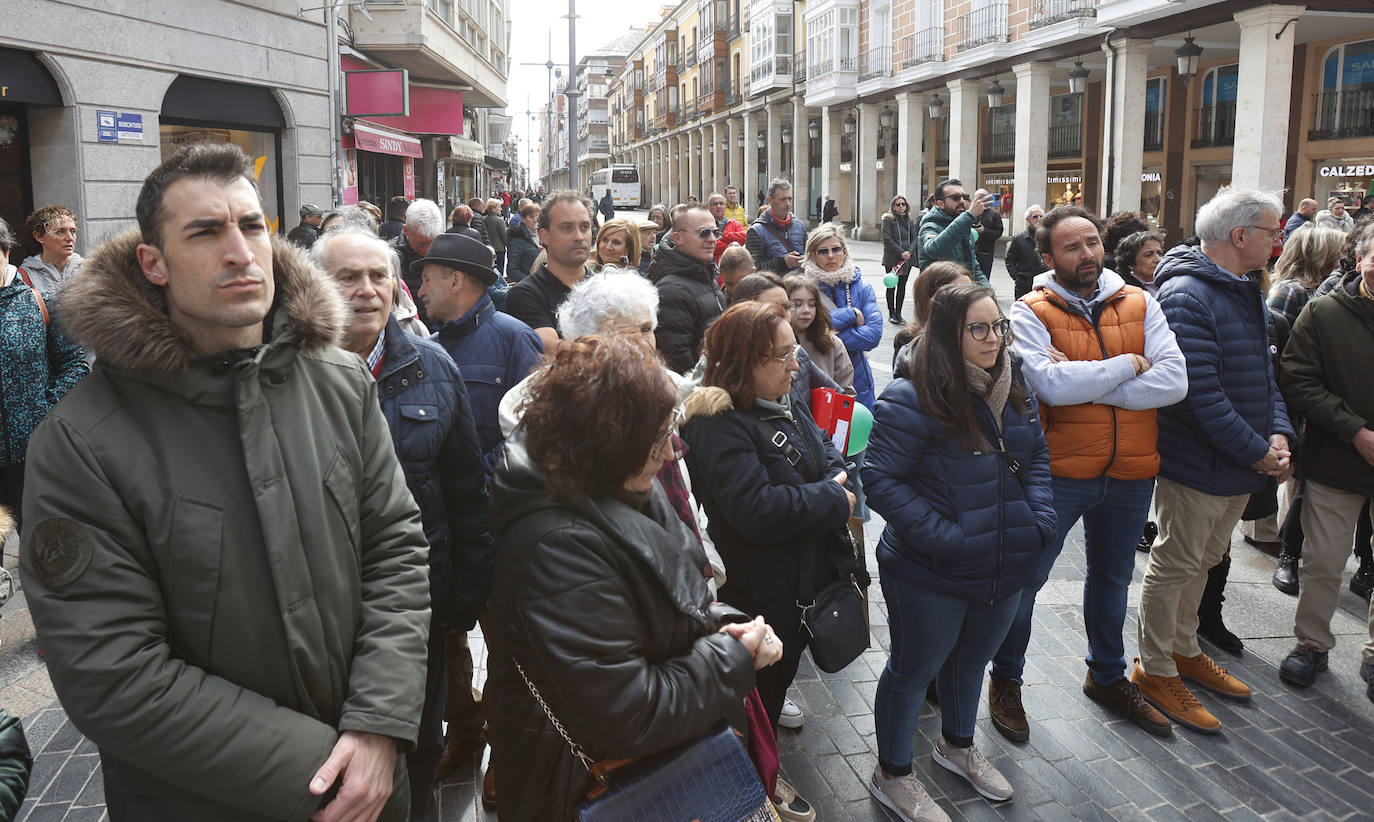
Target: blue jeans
[[933, 634], [1113, 513]]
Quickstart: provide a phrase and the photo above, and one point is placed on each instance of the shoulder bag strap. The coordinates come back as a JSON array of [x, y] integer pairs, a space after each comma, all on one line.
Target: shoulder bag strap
[[595, 769], [37, 295], [806, 588]]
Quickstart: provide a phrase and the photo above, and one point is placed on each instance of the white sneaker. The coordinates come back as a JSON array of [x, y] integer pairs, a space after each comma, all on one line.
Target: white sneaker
[[972, 765], [905, 796], [791, 716]]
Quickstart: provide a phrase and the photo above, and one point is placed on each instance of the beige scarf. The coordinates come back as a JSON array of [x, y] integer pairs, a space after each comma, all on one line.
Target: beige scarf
[[993, 386]]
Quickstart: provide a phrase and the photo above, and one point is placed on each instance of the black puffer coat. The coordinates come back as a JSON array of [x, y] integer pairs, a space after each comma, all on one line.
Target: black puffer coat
[[607, 610], [688, 301], [426, 405], [15, 765]]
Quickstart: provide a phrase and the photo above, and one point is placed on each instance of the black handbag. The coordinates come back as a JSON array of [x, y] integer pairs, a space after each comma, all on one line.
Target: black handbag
[[710, 779], [832, 619]]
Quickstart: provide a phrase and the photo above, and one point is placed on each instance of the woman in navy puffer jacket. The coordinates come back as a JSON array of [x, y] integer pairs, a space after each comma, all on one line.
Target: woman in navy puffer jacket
[[965, 527]]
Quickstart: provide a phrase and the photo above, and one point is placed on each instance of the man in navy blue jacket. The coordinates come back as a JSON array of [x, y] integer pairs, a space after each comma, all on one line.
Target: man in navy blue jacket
[[1216, 447]]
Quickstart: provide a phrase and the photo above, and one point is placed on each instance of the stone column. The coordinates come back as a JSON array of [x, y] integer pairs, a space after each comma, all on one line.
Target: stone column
[[1032, 140], [801, 152], [910, 121], [830, 156], [774, 137], [684, 166], [718, 158], [963, 131], [748, 186], [1126, 102], [673, 170], [866, 172], [708, 160], [735, 174], [1262, 98]]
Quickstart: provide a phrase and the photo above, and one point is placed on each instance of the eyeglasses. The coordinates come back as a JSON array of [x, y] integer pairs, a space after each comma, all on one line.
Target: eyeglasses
[[980, 331], [1273, 232], [826, 252], [703, 233], [1036, 217], [793, 354], [900, 205], [679, 417], [957, 197]]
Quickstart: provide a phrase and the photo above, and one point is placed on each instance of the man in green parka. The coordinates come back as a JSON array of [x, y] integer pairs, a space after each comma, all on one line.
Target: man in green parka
[[225, 567]]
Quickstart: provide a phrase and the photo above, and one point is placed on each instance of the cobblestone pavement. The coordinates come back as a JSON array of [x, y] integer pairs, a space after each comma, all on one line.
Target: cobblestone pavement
[[1286, 754]]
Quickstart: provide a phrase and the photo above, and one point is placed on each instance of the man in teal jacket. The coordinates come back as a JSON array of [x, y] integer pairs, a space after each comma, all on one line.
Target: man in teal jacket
[[946, 231], [222, 559]]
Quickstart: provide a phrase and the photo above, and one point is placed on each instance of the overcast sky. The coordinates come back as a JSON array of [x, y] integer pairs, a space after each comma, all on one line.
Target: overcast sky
[[532, 21]]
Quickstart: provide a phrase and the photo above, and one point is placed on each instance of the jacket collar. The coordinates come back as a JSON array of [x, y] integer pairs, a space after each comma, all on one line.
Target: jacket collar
[[122, 318], [1109, 285], [673, 261], [1190, 260], [468, 323], [398, 349]]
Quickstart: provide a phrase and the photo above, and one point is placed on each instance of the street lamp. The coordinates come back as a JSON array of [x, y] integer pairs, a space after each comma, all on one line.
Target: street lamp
[[849, 123], [935, 106], [1187, 55], [787, 135], [813, 129], [760, 141], [740, 139], [995, 94], [885, 118], [1078, 78]]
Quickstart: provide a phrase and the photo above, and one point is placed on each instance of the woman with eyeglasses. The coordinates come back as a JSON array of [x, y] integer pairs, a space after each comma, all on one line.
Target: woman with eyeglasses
[[959, 468], [598, 589], [772, 485], [899, 231]]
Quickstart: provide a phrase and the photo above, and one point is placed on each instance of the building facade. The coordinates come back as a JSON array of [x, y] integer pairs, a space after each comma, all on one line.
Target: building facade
[[1038, 101]]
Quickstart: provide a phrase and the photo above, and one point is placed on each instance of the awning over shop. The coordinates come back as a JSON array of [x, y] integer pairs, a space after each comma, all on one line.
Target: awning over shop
[[371, 138], [469, 151], [497, 163], [24, 79]]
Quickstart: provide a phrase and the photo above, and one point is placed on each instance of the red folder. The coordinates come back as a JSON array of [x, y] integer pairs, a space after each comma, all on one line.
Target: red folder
[[833, 413]]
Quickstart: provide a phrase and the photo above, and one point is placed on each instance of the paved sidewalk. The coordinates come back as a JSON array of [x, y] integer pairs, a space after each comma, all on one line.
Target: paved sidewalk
[[1286, 754]]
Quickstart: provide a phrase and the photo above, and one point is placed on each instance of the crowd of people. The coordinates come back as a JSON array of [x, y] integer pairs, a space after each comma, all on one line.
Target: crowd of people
[[269, 486]]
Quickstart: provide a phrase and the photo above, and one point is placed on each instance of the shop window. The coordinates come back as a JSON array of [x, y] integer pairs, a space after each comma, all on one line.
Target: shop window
[[1216, 120], [1345, 105], [1155, 92]]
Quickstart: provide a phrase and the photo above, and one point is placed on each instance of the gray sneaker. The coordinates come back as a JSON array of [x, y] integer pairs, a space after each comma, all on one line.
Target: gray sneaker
[[905, 797], [971, 765]]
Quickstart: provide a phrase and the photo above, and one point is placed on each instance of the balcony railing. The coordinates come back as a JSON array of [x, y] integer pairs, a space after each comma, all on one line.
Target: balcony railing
[[771, 67], [981, 26], [691, 58], [1066, 138], [799, 61], [1049, 12], [999, 138], [689, 111], [1216, 125], [707, 89], [1154, 131], [875, 63], [925, 46], [733, 99], [1346, 113]]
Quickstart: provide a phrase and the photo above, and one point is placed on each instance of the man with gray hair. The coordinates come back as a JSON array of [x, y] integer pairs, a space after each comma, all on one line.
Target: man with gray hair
[[1023, 259], [1217, 447], [777, 239], [424, 222]]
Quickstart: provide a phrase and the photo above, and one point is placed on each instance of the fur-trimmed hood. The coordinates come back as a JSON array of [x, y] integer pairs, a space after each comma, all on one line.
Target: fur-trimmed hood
[[119, 316], [707, 401]]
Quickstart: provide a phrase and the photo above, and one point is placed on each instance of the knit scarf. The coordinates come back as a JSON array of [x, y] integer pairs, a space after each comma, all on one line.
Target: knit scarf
[[838, 277], [993, 386]]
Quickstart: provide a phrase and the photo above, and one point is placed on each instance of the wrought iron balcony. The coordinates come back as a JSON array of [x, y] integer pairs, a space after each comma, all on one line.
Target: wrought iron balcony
[[1216, 125], [981, 26], [1066, 138], [876, 63], [1049, 12], [925, 46], [1154, 131], [1346, 113], [691, 58]]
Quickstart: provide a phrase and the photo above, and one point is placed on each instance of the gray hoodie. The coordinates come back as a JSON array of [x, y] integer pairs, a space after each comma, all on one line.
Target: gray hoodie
[[1106, 382], [46, 276]]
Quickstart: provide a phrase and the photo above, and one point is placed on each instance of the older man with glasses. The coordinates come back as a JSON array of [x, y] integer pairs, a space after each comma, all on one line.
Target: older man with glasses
[[947, 230], [688, 297]]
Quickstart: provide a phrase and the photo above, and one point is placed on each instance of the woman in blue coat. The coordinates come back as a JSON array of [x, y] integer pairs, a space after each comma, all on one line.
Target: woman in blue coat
[[959, 468], [854, 314]]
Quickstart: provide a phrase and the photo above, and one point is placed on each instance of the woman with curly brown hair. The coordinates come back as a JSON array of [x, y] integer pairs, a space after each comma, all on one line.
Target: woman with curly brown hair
[[598, 590]]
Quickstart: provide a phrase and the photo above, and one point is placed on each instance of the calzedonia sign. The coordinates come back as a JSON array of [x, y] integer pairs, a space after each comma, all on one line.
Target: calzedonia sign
[[1342, 170]]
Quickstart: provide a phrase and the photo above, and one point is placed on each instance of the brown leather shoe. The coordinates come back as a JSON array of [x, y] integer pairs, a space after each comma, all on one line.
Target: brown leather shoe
[[456, 752], [1004, 703], [1203, 671], [489, 787], [1123, 696], [1172, 697]]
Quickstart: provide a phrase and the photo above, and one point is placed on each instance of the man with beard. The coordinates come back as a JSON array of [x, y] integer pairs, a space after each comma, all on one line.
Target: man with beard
[[565, 232], [1100, 356], [946, 231]]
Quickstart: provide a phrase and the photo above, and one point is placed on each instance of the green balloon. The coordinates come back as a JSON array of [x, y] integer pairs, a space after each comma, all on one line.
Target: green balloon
[[890, 281], [860, 427]]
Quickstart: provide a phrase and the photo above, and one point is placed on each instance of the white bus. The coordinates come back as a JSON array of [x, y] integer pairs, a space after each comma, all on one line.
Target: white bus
[[622, 180]]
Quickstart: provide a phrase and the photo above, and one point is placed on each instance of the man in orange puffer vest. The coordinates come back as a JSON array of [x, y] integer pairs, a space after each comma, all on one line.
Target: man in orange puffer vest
[[1100, 357]]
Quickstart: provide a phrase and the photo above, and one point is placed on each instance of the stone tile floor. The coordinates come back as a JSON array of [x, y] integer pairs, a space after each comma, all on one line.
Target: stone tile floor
[[1286, 754]]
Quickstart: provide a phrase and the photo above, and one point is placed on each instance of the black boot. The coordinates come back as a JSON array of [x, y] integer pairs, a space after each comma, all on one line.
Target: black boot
[[1147, 537], [1210, 625], [1286, 573], [1362, 583]]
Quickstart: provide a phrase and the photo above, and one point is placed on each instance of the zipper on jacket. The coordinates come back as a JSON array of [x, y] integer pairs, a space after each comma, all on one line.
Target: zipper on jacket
[[1001, 520], [1093, 321]]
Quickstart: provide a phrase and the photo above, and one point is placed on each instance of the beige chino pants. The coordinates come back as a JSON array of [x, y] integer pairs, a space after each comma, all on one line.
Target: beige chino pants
[[1194, 534], [1328, 527]]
